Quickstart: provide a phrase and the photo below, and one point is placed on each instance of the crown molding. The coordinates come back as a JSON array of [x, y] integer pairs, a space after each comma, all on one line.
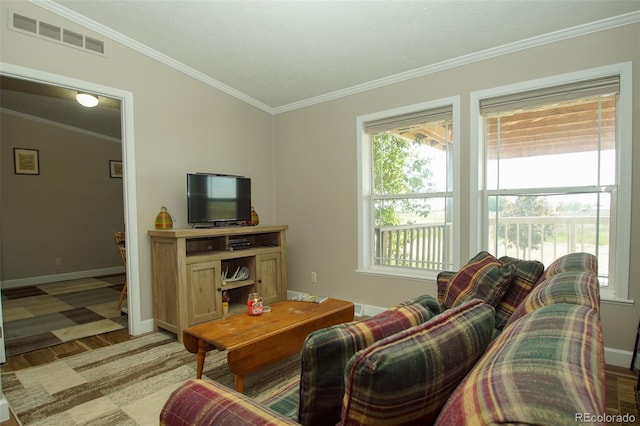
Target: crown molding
[[584, 29], [580, 30], [60, 125], [145, 50]]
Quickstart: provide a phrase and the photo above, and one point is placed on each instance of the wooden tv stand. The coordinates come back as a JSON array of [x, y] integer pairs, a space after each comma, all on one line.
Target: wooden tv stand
[[187, 267]]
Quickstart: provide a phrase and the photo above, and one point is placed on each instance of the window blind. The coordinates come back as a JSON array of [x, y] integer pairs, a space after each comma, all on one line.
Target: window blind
[[547, 95], [400, 122]]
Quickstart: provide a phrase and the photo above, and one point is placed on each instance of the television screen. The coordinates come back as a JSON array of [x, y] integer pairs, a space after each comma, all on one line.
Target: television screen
[[213, 199]]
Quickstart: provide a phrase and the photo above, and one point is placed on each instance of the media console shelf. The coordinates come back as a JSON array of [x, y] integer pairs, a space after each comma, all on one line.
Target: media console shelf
[[188, 265]]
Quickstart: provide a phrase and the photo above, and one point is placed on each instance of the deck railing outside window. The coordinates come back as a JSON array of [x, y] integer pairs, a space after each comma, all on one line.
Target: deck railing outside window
[[426, 246], [423, 246]]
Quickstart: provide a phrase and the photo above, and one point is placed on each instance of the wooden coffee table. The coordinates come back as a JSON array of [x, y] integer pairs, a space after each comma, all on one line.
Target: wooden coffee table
[[253, 342]]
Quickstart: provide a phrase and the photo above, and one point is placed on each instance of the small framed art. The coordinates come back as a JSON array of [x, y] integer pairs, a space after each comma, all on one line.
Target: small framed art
[[115, 169], [26, 161]]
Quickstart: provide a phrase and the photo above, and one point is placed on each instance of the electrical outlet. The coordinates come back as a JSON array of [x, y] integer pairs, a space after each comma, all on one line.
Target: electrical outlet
[[58, 261], [314, 277]]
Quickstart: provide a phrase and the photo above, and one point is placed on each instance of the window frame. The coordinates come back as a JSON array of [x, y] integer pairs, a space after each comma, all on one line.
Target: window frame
[[365, 209], [619, 258]]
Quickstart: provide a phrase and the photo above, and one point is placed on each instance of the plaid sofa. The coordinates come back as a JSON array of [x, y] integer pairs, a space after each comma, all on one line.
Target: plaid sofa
[[533, 354]]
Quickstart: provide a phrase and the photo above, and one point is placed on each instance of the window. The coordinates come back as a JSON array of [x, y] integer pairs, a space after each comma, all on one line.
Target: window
[[407, 189], [555, 174]]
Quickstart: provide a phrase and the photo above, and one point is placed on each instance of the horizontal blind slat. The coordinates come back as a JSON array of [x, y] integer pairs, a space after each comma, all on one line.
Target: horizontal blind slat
[[408, 120], [546, 95]]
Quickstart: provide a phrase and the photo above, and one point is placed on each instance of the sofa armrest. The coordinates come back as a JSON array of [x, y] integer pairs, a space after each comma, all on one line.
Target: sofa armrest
[[197, 402]]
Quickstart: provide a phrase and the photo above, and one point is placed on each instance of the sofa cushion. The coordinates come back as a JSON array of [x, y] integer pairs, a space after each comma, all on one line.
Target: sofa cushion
[[543, 369], [406, 378], [527, 274], [572, 262], [326, 352], [574, 287], [484, 277]]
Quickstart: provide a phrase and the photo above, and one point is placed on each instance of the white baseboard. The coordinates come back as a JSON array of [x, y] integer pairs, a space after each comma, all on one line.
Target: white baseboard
[[618, 357], [358, 310], [4, 409], [370, 311], [142, 327], [23, 282], [367, 310]]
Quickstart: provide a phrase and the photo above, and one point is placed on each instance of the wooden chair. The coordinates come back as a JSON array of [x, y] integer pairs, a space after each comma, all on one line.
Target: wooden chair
[[119, 238]]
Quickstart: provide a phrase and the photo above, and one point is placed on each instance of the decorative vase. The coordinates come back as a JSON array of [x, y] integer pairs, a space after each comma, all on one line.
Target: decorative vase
[[255, 219], [164, 219]]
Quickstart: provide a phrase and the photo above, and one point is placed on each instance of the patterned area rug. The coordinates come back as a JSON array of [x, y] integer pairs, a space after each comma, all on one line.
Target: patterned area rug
[[44, 315], [124, 384]]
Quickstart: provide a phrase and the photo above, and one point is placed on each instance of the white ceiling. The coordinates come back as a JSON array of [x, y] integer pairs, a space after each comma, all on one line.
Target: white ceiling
[[280, 55]]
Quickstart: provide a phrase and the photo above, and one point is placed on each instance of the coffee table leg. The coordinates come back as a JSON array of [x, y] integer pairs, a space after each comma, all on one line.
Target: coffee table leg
[[239, 382], [202, 353]]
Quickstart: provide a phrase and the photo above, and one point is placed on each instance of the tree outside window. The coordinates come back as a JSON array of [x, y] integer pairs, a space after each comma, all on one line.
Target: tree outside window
[[412, 197]]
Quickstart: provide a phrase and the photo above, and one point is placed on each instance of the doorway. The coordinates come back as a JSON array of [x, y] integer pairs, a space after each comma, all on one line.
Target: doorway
[[128, 162]]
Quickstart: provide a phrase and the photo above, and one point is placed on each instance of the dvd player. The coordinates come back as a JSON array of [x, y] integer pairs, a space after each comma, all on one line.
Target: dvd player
[[239, 244]]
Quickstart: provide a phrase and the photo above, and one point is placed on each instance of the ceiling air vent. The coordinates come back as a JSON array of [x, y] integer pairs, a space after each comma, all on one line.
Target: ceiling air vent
[[51, 32], [24, 23], [94, 44], [72, 38]]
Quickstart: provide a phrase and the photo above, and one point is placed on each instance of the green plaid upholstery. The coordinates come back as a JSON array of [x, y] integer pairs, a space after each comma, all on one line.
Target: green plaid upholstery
[[326, 352], [406, 378], [527, 274], [542, 369], [574, 287], [483, 277], [203, 403], [426, 300], [572, 262]]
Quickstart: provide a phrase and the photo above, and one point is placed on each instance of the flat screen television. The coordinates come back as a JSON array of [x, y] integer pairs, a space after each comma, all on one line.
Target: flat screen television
[[215, 200]]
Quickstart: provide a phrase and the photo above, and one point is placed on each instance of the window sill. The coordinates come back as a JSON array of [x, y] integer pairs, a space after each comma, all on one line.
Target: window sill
[[613, 300], [402, 273]]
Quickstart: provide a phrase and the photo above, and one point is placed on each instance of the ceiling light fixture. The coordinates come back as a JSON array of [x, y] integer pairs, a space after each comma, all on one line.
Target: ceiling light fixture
[[87, 100]]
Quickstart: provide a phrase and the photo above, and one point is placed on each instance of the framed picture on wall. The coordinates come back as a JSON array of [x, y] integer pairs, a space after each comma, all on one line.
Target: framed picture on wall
[[26, 161], [115, 169]]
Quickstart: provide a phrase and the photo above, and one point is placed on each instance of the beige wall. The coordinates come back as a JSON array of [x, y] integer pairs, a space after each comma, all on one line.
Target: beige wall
[[69, 210], [180, 124], [316, 173]]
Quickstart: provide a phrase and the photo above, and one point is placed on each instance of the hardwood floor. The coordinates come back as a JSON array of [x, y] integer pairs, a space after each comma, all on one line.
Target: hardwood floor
[[621, 382], [42, 315], [621, 394], [47, 355]]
